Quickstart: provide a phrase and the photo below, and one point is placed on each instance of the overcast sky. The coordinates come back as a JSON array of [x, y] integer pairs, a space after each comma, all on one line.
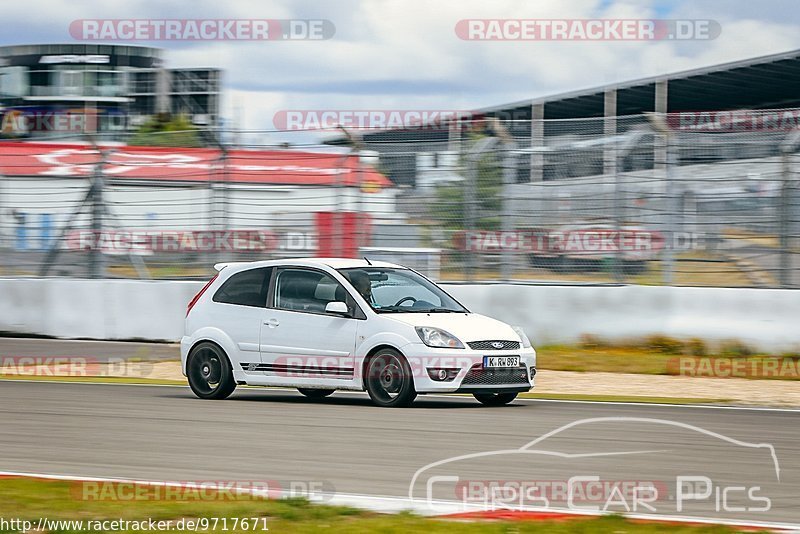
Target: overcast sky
[[405, 54]]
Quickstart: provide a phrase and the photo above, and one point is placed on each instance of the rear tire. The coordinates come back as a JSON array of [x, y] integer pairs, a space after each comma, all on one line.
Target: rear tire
[[389, 380], [209, 372], [495, 399], [316, 393]]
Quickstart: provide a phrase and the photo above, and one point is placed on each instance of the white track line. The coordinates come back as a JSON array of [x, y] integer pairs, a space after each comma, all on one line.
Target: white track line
[[387, 504], [447, 397]]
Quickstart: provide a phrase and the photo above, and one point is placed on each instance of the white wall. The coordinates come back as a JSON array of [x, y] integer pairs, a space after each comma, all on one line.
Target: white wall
[[126, 309], [107, 309], [765, 318], [177, 207]]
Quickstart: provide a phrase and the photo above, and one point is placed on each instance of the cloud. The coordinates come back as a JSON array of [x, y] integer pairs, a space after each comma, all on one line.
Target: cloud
[[404, 54]]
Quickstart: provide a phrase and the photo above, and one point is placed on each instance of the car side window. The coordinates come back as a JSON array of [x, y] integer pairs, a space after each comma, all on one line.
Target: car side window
[[247, 288], [307, 290]]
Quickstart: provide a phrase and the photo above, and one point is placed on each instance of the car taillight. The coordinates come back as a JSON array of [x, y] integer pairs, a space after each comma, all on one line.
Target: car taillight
[[199, 294]]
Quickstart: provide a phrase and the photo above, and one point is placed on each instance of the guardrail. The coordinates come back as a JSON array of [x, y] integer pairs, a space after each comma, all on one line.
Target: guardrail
[[766, 319]]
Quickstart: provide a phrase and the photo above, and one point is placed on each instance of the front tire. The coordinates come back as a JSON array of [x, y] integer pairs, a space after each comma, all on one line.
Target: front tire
[[389, 380], [495, 399], [315, 393], [209, 372]]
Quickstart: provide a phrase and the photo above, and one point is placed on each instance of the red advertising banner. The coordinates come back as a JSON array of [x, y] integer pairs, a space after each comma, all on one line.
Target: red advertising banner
[[341, 233]]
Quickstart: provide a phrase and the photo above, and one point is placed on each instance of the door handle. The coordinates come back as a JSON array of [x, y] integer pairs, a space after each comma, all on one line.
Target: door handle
[[272, 323]]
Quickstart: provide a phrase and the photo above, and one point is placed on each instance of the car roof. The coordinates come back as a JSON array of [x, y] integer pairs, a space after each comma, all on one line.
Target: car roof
[[335, 263]]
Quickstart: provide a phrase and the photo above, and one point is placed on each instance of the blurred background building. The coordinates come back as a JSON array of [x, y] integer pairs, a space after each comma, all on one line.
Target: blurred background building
[[681, 179], [53, 89]]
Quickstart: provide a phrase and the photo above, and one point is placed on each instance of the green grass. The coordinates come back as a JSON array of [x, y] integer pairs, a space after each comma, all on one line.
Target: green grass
[[653, 360], [96, 379], [31, 499]]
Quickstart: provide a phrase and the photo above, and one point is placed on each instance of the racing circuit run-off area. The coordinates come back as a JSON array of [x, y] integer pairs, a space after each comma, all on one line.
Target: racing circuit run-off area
[[399, 267]]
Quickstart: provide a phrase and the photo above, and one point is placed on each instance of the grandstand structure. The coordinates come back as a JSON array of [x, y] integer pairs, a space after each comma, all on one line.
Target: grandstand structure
[[545, 124]]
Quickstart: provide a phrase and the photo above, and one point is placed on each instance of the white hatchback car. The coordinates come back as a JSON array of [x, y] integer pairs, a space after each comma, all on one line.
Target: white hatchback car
[[319, 325]]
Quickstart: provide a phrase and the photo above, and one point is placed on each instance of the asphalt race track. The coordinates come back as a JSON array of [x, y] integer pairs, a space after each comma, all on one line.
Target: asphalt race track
[[349, 446]]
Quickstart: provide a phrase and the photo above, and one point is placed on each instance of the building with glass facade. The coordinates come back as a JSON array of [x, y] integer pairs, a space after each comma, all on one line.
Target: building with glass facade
[[61, 89]]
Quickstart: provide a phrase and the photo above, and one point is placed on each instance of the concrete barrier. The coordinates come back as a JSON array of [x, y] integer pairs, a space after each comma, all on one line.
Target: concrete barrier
[[95, 309], [154, 310], [764, 318]]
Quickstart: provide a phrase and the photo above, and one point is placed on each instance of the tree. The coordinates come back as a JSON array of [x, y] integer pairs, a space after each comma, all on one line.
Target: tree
[[451, 208], [165, 129]]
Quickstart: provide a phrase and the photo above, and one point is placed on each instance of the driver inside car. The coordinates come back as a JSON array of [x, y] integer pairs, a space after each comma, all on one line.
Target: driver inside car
[[362, 283]]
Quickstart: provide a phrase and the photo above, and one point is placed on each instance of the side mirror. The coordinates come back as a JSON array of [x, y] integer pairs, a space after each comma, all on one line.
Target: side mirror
[[337, 308]]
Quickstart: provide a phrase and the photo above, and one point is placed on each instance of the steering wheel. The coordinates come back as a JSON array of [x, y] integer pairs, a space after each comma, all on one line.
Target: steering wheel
[[402, 300]]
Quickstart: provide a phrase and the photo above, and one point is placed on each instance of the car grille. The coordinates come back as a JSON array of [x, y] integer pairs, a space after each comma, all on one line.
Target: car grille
[[478, 376], [487, 345]]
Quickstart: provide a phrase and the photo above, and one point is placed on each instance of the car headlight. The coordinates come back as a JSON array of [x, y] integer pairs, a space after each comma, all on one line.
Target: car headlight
[[526, 343], [436, 337]]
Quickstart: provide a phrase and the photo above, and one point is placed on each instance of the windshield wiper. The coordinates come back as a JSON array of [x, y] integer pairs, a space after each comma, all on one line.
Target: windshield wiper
[[439, 310]]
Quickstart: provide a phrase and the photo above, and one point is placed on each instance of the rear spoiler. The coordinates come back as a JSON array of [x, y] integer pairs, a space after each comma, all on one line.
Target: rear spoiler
[[219, 266]]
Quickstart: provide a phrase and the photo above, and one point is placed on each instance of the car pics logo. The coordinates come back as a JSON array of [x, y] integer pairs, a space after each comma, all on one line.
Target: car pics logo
[[583, 492], [587, 29], [202, 29]]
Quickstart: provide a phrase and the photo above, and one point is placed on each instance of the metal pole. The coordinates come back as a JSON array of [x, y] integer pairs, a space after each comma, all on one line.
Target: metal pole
[[469, 212], [507, 220], [96, 263], [659, 124], [617, 208], [621, 155], [4, 242], [219, 199], [55, 246], [785, 204], [669, 249], [474, 156]]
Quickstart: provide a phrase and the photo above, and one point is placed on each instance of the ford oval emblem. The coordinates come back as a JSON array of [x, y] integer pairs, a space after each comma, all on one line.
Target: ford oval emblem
[[498, 344]]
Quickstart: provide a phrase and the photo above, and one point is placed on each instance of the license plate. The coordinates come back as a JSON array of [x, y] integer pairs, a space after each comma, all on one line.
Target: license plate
[[501, 361]]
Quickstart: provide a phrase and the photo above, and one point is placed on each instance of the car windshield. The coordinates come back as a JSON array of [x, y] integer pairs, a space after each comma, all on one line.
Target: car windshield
[[390, 290]]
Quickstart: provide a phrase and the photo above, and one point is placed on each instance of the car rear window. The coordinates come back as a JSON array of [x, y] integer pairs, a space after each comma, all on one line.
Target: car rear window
[[247, 288]]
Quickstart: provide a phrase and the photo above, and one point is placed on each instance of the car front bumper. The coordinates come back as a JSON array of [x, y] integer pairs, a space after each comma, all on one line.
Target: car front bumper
[[471, 376]]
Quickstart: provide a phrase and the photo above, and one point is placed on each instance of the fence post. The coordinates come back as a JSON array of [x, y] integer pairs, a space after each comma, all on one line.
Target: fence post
[[786, 201], [621, 155], [617, 209], [469, 212], [474, 155], [506, 216], [219, 202], [669, 252], [665, 144], [96, 260]]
